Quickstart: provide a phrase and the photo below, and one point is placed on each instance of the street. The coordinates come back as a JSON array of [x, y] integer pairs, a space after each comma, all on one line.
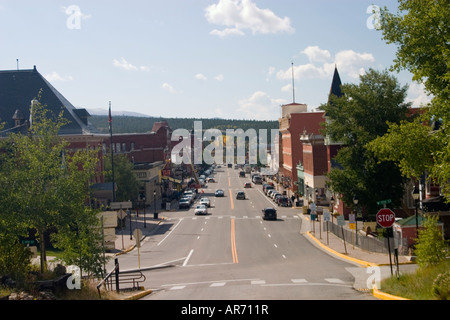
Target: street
[[232, 253]]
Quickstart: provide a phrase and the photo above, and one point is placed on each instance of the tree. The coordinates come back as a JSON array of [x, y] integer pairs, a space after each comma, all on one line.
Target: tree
[[421, 31], [355, 119], [47, 183], [431, 248], [124, 177]]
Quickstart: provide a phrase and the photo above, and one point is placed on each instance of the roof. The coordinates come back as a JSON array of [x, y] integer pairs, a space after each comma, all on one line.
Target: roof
[[19, 87]]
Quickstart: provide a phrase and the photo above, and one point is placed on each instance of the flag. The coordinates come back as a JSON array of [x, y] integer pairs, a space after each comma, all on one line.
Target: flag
[[110, 118]]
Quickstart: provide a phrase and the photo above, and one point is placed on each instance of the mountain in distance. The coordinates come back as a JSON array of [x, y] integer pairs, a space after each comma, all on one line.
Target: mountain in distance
[[104, 112]]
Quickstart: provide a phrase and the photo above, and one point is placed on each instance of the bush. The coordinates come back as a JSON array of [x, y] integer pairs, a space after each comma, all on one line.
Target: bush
[[441, 286], [431, 248], [14, 257]]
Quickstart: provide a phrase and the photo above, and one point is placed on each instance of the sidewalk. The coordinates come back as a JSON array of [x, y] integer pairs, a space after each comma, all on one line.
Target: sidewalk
[[145, 222]]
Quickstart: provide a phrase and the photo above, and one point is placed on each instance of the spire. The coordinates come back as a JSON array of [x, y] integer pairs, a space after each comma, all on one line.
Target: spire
[[335, 85]]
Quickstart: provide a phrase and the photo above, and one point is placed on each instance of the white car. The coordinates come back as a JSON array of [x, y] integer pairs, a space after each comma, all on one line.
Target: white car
[[201, 209], [205, 201]]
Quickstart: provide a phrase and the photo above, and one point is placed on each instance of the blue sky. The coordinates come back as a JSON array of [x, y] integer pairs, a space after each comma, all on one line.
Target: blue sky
[[195, 58]]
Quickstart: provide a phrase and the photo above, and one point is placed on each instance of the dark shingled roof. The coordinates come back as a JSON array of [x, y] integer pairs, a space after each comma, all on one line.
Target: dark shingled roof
[[19, 87]]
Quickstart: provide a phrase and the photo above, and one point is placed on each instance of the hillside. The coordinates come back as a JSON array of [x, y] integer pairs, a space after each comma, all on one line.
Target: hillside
[[130, 124]]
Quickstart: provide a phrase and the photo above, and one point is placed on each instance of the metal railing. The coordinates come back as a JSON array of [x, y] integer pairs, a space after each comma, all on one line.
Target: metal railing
[[115, 278]]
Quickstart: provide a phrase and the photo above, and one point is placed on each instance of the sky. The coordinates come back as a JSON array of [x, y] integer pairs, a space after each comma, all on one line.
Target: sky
[[229, 59]]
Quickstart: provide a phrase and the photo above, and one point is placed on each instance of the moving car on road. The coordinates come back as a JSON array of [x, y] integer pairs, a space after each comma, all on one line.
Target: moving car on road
[[247, 185], [269, 214], [219, 193], [201, 209], [240, 195]]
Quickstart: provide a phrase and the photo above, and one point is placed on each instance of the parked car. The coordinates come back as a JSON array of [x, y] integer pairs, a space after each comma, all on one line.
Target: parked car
[[184, 203], [269, 214], [211, 180], [240, 195], [284, 201], [219, 193], [201, 209], [247, 185], [268, 188], [276, 197], [205, 201]]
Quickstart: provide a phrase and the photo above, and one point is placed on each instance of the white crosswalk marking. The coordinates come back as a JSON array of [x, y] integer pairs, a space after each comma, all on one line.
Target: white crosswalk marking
[[333, 280], [299, 280], [217, 284]]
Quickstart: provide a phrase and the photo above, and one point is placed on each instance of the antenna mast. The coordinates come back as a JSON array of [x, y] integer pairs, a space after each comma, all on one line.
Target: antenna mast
[[293, 85]]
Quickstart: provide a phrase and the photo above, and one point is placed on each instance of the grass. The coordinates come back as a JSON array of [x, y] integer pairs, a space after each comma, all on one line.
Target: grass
[[415, 286]]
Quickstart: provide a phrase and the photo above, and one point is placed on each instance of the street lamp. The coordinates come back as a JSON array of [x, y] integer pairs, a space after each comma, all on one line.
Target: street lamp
[[416, 196], [155, 215], [355, 202]]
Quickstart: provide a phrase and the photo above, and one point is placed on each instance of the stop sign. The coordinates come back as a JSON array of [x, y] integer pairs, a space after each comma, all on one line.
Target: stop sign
[[386, 218]]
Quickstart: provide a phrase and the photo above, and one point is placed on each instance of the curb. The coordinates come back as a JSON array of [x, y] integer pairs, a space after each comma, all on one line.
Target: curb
[[375, 292], [139, 295], [361, 262]]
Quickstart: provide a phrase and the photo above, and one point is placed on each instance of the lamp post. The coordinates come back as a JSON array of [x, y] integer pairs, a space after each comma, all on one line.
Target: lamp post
[[416, 196], [355, 202], [155, 215], [145, 222]]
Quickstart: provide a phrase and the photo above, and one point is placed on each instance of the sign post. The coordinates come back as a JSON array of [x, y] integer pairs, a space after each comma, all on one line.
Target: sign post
[[137, 235], [386, 218], [341, 222]]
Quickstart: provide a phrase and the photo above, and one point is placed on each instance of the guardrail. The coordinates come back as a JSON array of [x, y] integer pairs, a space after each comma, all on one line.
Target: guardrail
[[115, 278]]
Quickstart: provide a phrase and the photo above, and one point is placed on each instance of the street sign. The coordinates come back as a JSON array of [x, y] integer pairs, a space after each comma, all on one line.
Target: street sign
[[340, 220], [121, 205], [352, 226], [326, 215], [382, 202], [385, 217]]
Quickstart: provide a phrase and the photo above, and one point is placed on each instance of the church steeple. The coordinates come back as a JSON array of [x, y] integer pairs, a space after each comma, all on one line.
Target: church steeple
[[335, 85]]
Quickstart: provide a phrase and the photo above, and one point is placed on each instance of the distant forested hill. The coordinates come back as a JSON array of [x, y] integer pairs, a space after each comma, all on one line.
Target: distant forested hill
[[129, 124]]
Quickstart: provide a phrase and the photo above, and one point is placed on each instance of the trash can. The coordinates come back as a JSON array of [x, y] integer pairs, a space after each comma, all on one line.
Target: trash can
[[155, 215]]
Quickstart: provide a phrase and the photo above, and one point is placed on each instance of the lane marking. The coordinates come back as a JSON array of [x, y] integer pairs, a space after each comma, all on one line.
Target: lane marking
[[233, 242], [217, 284], [231, 200], [188, 257], [170, 232]]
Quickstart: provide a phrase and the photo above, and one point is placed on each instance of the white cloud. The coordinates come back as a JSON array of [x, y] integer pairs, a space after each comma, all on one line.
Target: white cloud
[[200, 76], [219, 77], [418, 95], [169, 88], [353, 63], [321, 64], [54, 76], [124, 64], [314, 53], [260, 106], [240, 15]]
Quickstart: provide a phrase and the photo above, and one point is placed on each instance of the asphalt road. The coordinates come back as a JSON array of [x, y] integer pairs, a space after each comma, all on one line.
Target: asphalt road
[[233, 254]]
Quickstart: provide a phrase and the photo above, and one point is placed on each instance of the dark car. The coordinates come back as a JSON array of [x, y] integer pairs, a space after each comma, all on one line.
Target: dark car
[[240, 195], [247, 185], [269, 214], [242, 174], [284, 201], [219, 193]]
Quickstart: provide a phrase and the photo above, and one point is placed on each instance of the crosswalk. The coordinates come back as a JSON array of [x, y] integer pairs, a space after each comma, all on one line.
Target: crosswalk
[[229, 216], [258, 282]]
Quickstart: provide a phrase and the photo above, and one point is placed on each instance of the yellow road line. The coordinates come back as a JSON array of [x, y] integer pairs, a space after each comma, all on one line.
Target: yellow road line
[[233, 242], [231, 200]]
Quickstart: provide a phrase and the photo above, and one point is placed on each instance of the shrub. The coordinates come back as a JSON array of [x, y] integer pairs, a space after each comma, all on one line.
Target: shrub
[[441, 286]]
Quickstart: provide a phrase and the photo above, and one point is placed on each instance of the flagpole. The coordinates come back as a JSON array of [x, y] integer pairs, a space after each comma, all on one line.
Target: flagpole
[[112, 154]]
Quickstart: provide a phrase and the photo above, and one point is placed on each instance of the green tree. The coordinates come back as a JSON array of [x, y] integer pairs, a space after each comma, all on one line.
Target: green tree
[[431, 248], [47, 183], [355, 119], [124, 177], [420, 30]]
